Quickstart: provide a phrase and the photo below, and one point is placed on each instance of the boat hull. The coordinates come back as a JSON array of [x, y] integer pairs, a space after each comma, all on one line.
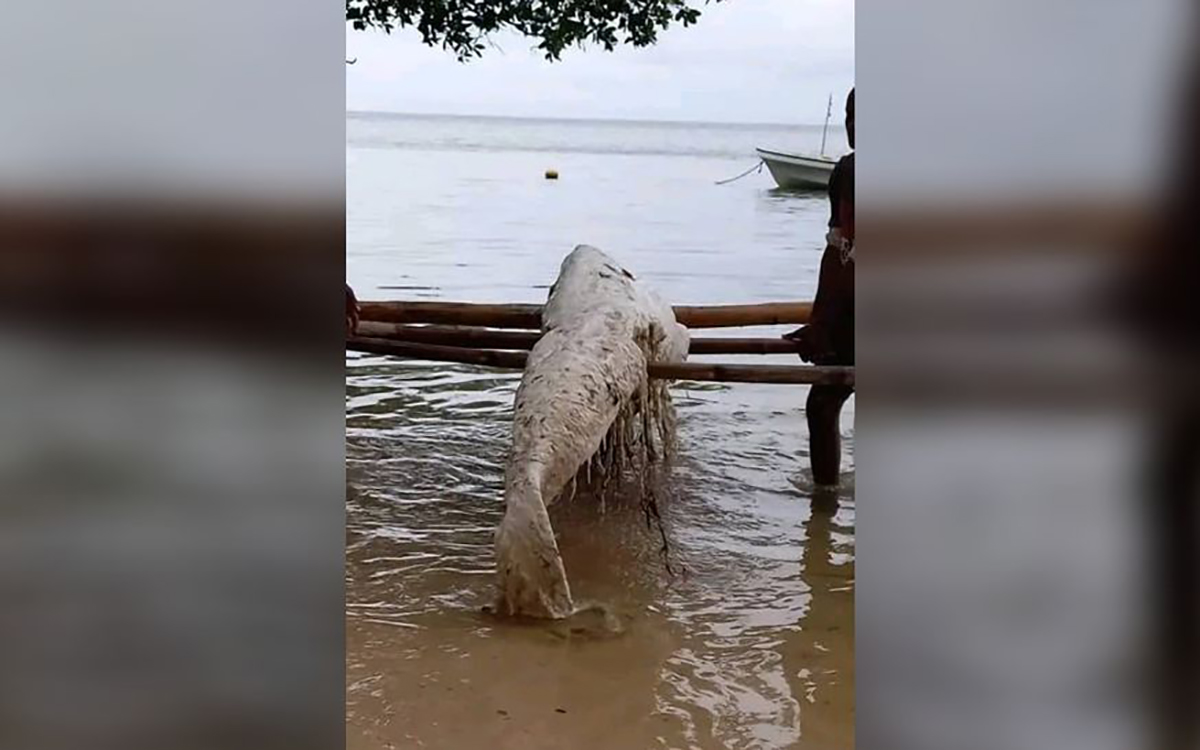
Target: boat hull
[[797, 172], [599, 330]]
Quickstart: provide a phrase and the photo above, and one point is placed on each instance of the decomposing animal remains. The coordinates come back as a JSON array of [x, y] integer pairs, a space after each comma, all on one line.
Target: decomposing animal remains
[[585, 400]]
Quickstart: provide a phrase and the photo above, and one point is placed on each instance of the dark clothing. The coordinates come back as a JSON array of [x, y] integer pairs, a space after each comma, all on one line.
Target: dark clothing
[[841, 194], [830, 334], [834, 322], [828, 339]]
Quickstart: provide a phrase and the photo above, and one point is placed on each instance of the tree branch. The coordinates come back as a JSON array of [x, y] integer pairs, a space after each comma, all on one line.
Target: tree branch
[[463, 26]]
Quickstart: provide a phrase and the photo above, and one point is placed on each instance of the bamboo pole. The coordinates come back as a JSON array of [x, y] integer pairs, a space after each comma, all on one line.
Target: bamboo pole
[[742, 346], [462, 336], [530, 316], [777, 374], [435, 353], [735, 316], [695, 371], [483, 338], [454, 313]]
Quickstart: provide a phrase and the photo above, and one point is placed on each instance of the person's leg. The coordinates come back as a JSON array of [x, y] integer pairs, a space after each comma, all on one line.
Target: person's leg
[[824, 412]]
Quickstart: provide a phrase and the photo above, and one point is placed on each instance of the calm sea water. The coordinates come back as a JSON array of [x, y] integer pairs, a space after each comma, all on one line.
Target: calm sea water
[[748, 641]]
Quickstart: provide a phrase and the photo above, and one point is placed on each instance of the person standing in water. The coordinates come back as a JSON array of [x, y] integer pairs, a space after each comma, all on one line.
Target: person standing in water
[[828, 339]]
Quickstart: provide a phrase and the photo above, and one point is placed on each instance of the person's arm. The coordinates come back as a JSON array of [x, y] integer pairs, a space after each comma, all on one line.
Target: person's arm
[[352, 311]]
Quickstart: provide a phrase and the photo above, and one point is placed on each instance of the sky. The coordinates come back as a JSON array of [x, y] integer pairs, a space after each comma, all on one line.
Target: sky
[[760, 61]]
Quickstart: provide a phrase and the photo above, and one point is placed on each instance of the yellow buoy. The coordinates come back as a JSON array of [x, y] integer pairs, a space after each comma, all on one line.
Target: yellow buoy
[[551, 174]]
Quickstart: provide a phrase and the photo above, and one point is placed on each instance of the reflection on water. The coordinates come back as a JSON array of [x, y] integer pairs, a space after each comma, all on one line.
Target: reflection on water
[[749, 643]]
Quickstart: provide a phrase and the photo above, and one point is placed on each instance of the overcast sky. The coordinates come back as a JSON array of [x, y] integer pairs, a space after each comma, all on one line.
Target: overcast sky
[[773, 61]]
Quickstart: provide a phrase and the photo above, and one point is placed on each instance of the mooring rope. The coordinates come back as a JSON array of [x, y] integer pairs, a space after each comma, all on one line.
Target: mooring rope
[[756, 168]]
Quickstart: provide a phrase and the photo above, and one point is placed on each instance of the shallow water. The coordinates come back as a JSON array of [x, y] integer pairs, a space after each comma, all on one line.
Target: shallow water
[[745, 639]]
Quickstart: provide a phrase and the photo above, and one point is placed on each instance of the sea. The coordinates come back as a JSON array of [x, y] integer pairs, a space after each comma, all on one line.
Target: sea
[[742, 634]]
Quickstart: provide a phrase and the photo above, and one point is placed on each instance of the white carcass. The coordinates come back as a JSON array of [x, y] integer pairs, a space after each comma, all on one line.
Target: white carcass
[[585, 384]]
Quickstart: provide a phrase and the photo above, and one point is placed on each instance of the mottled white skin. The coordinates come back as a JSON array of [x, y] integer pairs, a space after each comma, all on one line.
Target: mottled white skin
[[585, 369]]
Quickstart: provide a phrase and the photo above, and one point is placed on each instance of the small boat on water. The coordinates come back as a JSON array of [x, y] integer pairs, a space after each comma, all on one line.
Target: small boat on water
[[798, 172], [802, 172]]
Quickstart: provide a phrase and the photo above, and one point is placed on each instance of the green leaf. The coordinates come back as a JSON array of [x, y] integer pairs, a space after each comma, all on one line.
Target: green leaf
[[461, 26]]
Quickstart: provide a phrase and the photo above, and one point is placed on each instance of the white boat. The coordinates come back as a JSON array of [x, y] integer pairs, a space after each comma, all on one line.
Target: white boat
[[802, 172], [798, 172]]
